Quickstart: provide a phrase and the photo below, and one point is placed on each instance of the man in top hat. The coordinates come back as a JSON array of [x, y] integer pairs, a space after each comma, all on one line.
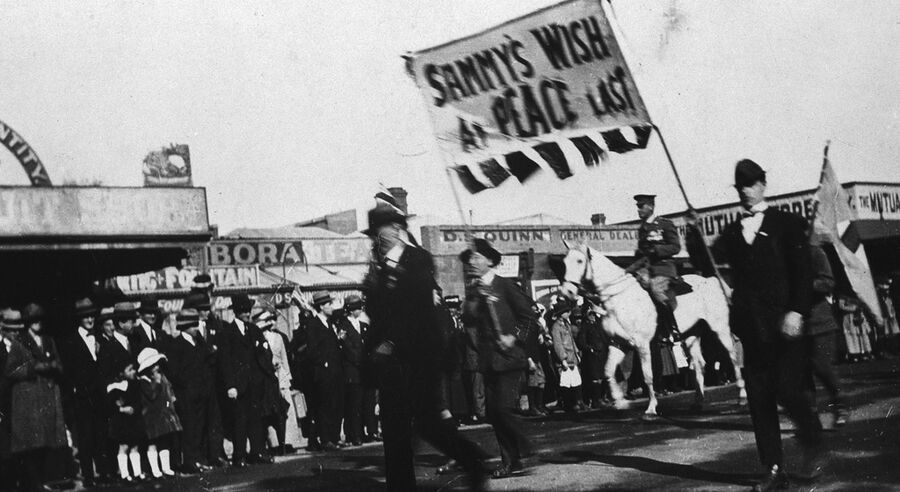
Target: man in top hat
[[239, 360], [657, 243], [324, 343], [146, 334], [503, 316], [80, 353], [768, 252], [193, 379], [400, 301]]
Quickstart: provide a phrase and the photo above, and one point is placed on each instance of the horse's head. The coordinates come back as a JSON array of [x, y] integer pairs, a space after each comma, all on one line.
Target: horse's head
[[578, 276]]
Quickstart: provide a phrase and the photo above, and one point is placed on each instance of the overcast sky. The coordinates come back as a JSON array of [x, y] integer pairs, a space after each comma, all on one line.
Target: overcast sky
[[295, 109]]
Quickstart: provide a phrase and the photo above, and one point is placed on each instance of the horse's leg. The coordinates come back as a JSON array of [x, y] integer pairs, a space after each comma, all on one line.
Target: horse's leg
[[698, 364], [613, 359], [728, 343], [647, 369]]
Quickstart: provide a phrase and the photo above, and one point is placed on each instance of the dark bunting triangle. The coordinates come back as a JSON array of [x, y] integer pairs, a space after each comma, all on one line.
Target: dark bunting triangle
[[468, 179], [521, 166], [493, 171], [590, 151], [616, 142], [554, 156], [643, 135]]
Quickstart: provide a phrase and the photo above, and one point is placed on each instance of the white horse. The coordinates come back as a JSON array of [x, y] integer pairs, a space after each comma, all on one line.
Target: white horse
[[631, 316]]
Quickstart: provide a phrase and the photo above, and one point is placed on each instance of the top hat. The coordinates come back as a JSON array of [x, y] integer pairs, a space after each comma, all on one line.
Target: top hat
[[12, 320], [321, 297], [198, 300], [748, 173], [484, 248], [241, 303], [148, 358], [124, 311], [187, 318], [353, 302], [381, 215], [32, 313], [84, 308], [642, 199]]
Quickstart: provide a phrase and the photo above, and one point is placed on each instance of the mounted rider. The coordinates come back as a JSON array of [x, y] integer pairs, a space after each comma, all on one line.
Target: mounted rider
[[654, 267]]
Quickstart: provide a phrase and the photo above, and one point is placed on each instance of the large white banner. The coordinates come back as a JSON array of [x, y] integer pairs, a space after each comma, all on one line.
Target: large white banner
[[551, 75]]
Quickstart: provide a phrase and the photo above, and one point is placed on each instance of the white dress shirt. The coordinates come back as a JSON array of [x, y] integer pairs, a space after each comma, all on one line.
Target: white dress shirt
[[241, 326], [89, 340], [750, 224], [123, 340]]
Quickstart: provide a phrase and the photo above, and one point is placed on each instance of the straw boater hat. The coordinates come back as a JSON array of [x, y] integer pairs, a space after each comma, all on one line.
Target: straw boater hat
[[84, 308], [12, 320], [148, 358], [188, 318], [265, 319], [105, 314]]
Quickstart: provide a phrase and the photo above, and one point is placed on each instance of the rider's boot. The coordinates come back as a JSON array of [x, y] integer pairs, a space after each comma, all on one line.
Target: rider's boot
[[668, 314]]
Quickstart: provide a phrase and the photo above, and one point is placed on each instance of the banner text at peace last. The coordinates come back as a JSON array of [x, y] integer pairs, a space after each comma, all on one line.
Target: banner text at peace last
[[525, 103]]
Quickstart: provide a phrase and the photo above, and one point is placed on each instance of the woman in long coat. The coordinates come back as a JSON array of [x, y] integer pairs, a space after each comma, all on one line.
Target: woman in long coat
[[36, 414]]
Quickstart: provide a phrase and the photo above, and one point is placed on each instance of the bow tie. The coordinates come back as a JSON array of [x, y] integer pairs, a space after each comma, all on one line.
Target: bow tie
[[749, 213]]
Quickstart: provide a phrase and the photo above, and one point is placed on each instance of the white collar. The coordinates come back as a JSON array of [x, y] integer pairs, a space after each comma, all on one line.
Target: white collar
[[395, 252], [323, 318], [488, 277], [189, 338], [650, 219], [84, 333], [759, 207], [121, 338], [240, 324]]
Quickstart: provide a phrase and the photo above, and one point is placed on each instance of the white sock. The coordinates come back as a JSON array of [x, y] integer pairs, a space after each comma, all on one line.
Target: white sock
[[135, 457], [164, 460], [154, 464], [122, 458]]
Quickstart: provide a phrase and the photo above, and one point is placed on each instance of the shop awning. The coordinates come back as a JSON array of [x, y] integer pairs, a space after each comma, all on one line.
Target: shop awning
[[318, 276]]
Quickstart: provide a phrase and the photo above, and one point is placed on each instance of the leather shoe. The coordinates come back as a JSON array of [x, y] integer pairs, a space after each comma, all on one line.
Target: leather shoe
[[329, 446], [505, 471], [261, 459], [775, 479]]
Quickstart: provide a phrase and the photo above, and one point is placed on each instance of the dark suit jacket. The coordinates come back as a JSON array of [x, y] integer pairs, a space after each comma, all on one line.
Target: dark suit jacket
[[140, 340], [191, 369], [324, 350], [400, 304], [113, 358], [515, 317], [352, 352], [82, 372], [240, 356], [771, 277]]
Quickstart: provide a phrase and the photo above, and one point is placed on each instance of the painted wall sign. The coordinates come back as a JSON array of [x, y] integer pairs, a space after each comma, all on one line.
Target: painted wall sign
[[27, 157], [277, 252], [174, 278]]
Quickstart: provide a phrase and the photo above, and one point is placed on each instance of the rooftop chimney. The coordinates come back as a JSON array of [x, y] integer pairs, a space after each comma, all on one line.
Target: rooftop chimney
[[598, 219], [399, 195]]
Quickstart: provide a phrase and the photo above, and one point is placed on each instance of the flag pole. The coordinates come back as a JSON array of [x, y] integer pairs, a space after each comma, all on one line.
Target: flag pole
[[693, 213], [812, 218]]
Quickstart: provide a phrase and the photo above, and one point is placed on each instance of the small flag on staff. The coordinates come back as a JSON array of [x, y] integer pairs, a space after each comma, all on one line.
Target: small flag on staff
[[832, 223]]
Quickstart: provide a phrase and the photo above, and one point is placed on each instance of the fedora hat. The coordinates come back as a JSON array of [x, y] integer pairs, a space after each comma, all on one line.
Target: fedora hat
[[149, 307], [187, 318], [352, 302], [105, 314], [124, 310], [381, 215], [484, 248], [148, 358], [241, 303], [85, 307], [748, 173], [321, 297], [32, 313], [12, 320]]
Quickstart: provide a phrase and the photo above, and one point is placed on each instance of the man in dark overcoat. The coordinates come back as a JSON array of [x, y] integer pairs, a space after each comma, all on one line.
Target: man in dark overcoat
[[80, 357], [239, 345], [324, 348], [768, 252], [504, 318], [350, 333], [400, 301], [146, 333]]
